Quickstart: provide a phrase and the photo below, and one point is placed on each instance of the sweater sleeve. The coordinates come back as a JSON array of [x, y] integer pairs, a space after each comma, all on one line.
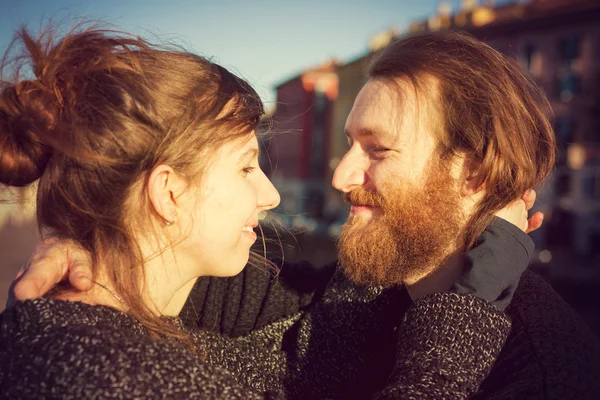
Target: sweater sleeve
[[493, 267], [254, 298], [448, 344]]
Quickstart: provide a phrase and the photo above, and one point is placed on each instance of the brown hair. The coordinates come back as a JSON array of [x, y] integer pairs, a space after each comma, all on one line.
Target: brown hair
[[101, 110], [491, 112]]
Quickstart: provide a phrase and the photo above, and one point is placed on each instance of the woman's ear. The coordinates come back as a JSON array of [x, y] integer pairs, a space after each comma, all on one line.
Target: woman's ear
[[164, 185]]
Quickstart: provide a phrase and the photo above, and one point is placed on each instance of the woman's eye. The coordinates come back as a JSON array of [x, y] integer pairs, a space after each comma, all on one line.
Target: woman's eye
[[247, 170]]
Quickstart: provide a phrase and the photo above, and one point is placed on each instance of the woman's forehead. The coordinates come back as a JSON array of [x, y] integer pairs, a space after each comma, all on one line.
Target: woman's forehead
[[238, 145]]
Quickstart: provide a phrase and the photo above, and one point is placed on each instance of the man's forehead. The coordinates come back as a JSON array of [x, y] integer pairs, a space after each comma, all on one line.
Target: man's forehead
[[375, 95], [388, 106], [377, 110]]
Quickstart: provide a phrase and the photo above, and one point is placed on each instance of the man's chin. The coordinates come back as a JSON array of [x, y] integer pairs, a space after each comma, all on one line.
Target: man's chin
[[373, 252], [363, 221], [364, 253]]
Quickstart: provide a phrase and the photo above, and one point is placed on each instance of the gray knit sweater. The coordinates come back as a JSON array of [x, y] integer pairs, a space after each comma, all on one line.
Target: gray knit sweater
[[68, 350]]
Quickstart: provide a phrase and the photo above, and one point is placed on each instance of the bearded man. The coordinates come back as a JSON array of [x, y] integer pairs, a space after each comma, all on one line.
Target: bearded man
[[445, 132], [444, 135]]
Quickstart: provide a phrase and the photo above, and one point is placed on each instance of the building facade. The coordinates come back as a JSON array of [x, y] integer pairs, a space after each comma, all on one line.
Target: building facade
[[298, 146]]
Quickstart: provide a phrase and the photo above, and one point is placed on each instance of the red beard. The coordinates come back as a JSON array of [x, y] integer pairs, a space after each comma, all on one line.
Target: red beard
[[413, 230]]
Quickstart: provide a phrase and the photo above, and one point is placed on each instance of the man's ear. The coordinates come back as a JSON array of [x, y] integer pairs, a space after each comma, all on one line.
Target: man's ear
[[471, 183], [164, 186]]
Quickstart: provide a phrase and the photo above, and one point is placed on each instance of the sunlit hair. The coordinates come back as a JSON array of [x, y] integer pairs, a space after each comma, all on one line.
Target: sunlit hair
[[95, 114], [491, 111]]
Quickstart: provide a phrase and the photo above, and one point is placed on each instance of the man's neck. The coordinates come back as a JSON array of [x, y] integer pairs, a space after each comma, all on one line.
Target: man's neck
[[440, 277]]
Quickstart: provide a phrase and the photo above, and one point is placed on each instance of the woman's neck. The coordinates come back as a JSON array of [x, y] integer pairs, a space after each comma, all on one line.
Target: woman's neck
[[167, 284], [169, 279]]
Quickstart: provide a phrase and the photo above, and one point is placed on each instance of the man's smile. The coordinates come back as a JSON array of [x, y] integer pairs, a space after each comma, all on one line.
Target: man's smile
[[362, 209]]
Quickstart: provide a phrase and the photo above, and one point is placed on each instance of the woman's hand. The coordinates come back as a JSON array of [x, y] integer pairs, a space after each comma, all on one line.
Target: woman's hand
[[516, 213], [52, 262], [494, 266]]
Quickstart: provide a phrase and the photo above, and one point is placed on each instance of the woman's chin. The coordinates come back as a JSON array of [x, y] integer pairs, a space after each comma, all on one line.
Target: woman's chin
[[232, 268]]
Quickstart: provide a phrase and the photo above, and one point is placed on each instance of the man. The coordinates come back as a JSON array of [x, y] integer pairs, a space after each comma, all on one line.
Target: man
[[445, 133], [480, 135]]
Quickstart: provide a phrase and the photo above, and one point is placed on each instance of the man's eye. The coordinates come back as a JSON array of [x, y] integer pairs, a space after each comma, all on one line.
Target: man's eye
[[379, 149]]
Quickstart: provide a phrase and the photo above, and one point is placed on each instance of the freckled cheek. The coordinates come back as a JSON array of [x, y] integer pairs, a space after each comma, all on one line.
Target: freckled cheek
[[416, 166], [232, 205], [381, 175]]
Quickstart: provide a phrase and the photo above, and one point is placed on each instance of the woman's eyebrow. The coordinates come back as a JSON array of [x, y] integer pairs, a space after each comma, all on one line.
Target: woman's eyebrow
[[250, 153]]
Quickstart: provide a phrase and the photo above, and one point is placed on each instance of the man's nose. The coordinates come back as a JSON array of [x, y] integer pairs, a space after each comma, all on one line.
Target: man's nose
[[349, 174]]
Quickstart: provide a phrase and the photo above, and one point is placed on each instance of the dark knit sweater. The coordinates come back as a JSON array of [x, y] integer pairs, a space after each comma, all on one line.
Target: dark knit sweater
[[54, 349], [550, 353], [445, 344], [308, 334], [343, 343]]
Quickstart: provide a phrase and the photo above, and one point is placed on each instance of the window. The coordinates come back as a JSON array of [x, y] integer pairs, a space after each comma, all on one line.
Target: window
[[563, 184], [563, 129], [591, 187], [530, 52], [569, 48], [532, 60], [568, 85]]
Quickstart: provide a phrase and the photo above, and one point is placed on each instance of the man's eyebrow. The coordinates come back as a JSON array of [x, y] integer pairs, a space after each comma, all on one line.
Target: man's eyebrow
[[364, 132]]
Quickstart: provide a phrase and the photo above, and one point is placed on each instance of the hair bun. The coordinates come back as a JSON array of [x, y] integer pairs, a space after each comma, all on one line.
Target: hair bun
[[23, 155]]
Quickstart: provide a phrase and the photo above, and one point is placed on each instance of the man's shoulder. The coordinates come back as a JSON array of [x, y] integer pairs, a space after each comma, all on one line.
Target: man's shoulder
[[538, 312], [550, 353]]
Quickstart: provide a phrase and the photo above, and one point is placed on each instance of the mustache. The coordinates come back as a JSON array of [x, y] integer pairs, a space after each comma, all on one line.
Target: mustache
[[363, 197]]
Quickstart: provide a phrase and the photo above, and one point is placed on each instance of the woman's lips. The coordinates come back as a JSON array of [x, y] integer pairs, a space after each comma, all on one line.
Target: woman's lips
[[249, 233]]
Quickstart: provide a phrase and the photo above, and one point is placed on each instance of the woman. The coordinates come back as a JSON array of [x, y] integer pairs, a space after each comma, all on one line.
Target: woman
[[148, 160]]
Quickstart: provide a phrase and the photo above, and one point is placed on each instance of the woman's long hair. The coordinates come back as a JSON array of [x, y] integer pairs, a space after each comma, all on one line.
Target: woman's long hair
[[95, 112]]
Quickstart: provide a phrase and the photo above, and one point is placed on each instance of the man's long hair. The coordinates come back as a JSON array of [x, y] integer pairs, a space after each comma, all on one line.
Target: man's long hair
[[492, 112]]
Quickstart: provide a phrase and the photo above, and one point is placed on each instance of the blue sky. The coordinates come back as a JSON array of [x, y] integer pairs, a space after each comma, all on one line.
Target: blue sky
[[265, 41]]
